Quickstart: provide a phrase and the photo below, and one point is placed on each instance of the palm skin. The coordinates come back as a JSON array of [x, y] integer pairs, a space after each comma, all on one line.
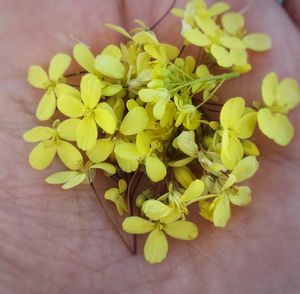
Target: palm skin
[[55, 241]]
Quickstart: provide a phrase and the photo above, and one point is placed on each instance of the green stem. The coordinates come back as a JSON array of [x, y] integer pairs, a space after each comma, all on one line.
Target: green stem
[[224, 77]]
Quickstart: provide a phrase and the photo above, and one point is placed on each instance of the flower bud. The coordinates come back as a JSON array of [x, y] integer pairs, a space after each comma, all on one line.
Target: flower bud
[[183, 176]]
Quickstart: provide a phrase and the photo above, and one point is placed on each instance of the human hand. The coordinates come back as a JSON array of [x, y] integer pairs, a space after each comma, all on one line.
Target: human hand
[[60, 241]]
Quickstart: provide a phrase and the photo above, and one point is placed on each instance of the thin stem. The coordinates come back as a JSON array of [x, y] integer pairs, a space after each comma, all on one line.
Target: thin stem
[[162, 18], [181, 50], [109, 218], [212, 93], [226, 76]]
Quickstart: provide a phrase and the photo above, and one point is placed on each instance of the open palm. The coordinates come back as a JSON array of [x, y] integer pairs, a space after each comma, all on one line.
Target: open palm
[[55, 241]]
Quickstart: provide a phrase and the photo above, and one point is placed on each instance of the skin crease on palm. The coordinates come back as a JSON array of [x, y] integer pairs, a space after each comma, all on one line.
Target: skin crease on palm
[[55, 241]]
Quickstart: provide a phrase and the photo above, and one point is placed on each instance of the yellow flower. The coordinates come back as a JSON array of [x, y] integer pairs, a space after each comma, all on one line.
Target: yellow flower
[[200, 8], [116, 195], [228, 45], [91, 112], [279, 99], [219, 210], [237, 123], [156, 246], [52, 141], [38, 78], [85, 173], [159, 97]]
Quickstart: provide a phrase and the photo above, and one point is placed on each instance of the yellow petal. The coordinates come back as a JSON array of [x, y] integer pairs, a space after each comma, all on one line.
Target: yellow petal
[[84, 57], [67, 129], [182, 230], [275, 126], [245, 169], [245, 126], [90, 88], [233, 154], [70, 178], [232, 111], [127, 165], [288, 94], [137, 225], [218, 8], [87, 133], [258, 42], [69, 155], [58, 65], [76, 180], [135, 121], [232, 43], [145, 38], [195, 37], [242, 197], [269, 88], [160, 108], [70, 106], [127, 151], [233, 22], [61, 177], [238, 57], [105, 118], [156, 247], [112, 194], [62, 89], [171, 51], [207, 25], [122, 186], [46, 106], [250, 148], [111, 90], [284, 130], [186, 143], [42, 155], [38, 134], [109, 168], [119, 30], [110, 66], [155, 209], [37, 77], [193, 191], [221, 55], [206, 210], [101, 151], [181, 162], [155, 169], [112, 50], [149, 95], [143, 143], [222, 212]]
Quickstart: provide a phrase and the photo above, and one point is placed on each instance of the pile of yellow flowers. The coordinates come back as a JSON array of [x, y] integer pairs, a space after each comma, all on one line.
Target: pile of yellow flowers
[[141, 109]]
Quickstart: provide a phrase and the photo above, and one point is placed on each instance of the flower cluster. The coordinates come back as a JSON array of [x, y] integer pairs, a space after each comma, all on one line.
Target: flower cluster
[[142, 109]]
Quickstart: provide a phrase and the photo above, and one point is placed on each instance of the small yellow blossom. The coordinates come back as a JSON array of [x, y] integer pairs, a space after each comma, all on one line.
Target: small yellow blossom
[[156, 246], [38, 78], [52, 141], [85, 173], [116, 195], [91, 112], [279, 98], [237, 123]]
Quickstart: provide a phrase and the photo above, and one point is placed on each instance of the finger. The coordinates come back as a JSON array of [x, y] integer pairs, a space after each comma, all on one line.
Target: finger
[[293, 9]]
